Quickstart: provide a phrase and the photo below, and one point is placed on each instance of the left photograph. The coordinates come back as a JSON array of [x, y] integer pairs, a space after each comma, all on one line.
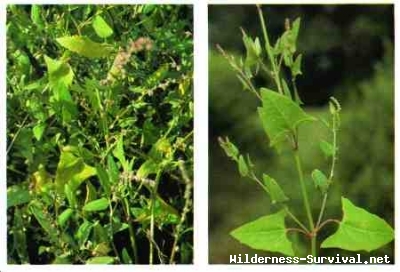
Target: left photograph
[[99, 134]]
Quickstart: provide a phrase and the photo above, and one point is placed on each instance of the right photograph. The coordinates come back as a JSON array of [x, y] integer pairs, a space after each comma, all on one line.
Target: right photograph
[[301, 134]]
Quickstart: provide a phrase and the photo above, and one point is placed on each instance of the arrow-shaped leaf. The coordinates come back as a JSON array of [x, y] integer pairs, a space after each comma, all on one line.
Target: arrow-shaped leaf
[[85, 46], [266, 233], [280, 115], [359, 230]]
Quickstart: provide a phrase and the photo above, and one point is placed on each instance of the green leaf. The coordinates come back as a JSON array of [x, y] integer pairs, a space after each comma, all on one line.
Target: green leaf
[[327, 148], [85, 46], [35, 16], [280, 115], [125, 257], [100, 260], [83, 232], [160, 150], [230, 149], [295, 29], [243, 169], [103, 179], [102, 29], [19, 236], [23, 143], [72, 170], [64, 216], [63, 259], [147, 168], [58, 72], [266, 233], [96, 205], [70, 196], [253, 49], [39, 211], [112, 169], [17, 195], [296, 67], [119, 153], [38, 131], [320, 180], [359, 230], [274, 190]]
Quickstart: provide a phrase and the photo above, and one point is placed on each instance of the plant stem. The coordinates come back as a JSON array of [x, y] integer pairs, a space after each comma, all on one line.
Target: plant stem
[[269, 50], [305, 200], [152, 208], [321, 213], [17, 133], [112, 232], [326, 222], [295, 219], [186, 209], [131, 231], [333, 163]]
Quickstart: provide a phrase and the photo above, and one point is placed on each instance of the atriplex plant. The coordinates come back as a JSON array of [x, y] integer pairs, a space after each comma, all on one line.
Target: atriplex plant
[[100, 154], [281, 116]]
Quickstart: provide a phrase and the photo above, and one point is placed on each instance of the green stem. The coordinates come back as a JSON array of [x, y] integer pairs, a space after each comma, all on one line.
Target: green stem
[[152, 219], [305, 200], [295, 219], [269, 50], [321, 213], [285, 207], [131, 231], [331, 174], [112, 232]]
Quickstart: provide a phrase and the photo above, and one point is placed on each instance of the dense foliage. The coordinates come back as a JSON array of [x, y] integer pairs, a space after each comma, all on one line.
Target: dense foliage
[[100, 153], [282, 120]]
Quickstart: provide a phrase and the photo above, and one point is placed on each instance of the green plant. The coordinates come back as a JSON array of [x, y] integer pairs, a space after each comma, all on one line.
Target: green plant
[[100, 152], [281, 116]]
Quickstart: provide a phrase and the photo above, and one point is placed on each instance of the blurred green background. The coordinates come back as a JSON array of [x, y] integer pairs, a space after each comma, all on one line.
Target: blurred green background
[[348, 53]]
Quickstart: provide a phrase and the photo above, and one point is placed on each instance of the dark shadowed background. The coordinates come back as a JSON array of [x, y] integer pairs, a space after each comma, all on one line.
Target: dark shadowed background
[[347, 53]]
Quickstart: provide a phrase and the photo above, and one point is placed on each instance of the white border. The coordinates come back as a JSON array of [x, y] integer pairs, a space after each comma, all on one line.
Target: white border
[[201, 135]]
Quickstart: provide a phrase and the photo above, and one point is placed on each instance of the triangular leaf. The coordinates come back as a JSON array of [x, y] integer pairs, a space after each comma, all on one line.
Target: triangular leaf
[[266, 233], [71, 170], [85, 46], [58, 72], [274, 190], [296, 67], [38, 131], [280, 115], [359, 230]]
